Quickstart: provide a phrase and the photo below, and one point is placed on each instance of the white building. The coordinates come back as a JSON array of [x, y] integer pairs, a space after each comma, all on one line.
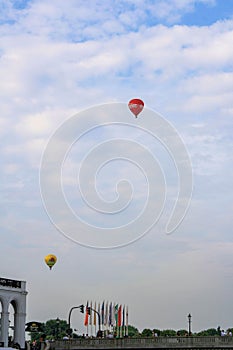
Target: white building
[[13, 292]]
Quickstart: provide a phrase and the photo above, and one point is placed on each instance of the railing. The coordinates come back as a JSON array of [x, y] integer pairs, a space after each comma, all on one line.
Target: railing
[[143, 343]]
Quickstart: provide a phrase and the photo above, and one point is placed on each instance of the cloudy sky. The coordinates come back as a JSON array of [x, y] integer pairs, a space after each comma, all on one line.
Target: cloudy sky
[[59, 59]]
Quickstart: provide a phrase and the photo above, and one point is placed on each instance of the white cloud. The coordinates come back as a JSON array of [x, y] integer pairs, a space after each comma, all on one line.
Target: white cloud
[[58, 58]]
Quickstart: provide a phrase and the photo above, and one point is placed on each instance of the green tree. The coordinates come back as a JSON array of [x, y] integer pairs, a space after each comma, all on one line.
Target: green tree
[[156, 331], [147, 332], [212, 331], [208, 332], [52, 329], [182, 332], [36, 335], [168, 333], [56, 329], [133, 331]]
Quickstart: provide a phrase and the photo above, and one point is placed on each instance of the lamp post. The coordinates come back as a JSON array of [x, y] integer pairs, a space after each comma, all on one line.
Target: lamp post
[[189, 321]]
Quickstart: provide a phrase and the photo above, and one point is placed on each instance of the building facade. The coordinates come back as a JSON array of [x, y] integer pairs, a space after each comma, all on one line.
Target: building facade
[[13, 292]]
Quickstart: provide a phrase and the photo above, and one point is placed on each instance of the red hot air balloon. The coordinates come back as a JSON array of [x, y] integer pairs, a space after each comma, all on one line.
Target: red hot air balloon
[[136, 106]]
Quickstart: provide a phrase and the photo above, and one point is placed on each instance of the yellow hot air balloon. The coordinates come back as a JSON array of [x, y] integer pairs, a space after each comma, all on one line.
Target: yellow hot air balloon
[[50, 260]]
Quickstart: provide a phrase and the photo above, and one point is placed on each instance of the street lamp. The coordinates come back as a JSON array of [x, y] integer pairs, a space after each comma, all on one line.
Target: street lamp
[[189, 321]]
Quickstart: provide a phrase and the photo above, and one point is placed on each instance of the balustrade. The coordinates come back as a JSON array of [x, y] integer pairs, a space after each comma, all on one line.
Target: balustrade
[[183, 343]]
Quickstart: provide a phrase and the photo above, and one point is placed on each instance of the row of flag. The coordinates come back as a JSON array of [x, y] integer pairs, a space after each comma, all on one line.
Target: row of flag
[[106, 314]]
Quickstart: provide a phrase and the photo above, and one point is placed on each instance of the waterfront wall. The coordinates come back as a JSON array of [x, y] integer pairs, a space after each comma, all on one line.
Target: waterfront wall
[[183, 343]]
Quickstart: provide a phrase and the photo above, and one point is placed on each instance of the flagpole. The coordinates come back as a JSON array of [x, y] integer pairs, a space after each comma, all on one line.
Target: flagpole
[[127, 325], [116, 320], [102, 316], [113, 318], [119, 320], [95, 313], [123, 321], [95, 318], [99, 320], [86, 318], [110, 317], [90, 320]]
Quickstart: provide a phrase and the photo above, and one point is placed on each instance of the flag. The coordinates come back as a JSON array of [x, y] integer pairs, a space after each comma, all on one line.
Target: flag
[[113, 315], [86, 316], [116, 314], [123, 321], [119, 316], [99, 308], [90, 318], [102, 313], [110, 315], [123, 316], [106, 315], [94, 320]]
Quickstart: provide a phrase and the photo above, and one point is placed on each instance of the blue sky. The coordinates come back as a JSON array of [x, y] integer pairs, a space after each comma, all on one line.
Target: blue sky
[[207, 14], [58, 59]]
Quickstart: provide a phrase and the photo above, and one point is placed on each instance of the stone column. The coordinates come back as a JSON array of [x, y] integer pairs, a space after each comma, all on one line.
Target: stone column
[[20, 318], [4, 327], [19, 332]]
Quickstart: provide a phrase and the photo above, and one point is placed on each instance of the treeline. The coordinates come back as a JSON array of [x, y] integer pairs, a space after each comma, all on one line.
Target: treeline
[[56, 329], [133, 332]]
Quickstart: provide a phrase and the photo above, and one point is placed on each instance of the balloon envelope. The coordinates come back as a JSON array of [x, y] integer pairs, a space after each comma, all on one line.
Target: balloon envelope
[[50, 260], [136, 106]]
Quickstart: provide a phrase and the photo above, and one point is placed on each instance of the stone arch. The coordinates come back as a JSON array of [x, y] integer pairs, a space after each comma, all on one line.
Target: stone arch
[[14, 293]]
